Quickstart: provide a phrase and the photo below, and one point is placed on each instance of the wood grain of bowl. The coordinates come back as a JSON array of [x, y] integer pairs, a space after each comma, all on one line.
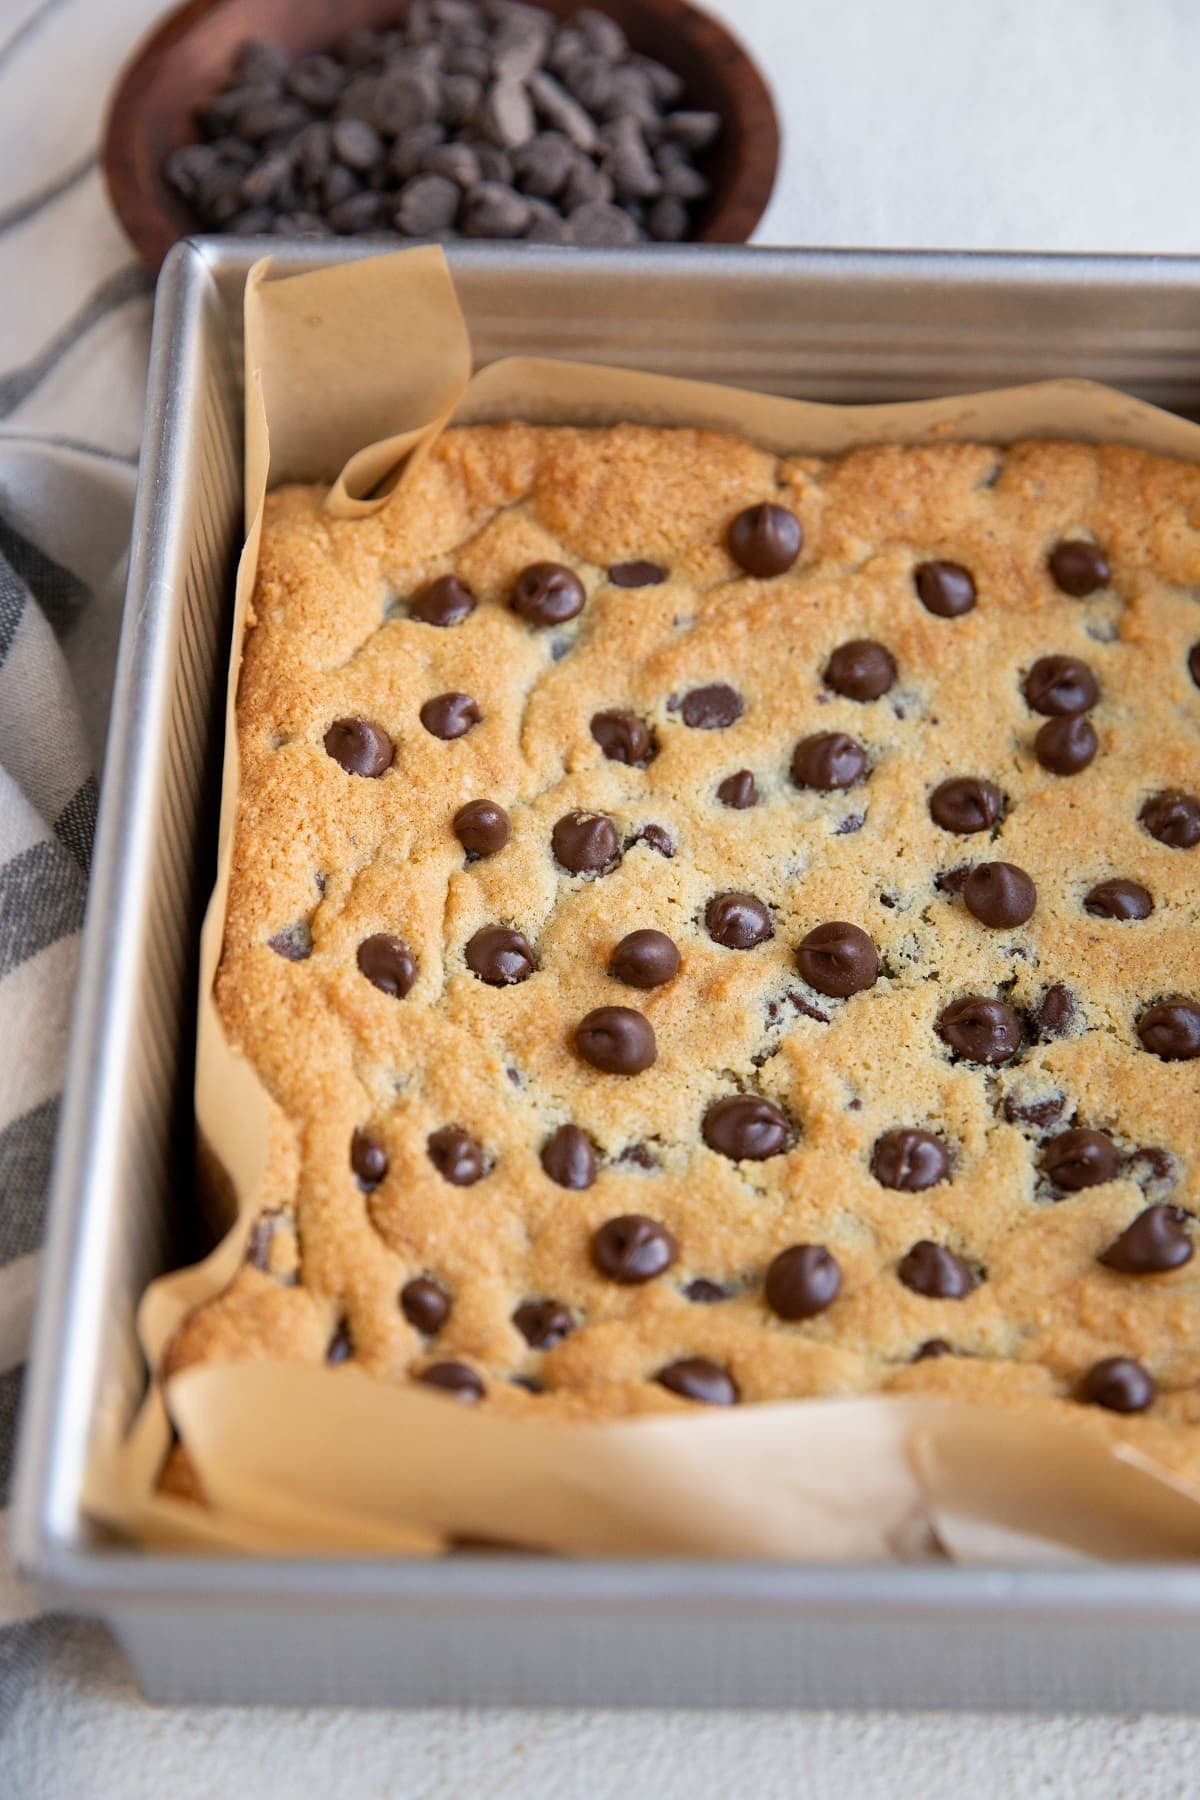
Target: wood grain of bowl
[[190, 56]]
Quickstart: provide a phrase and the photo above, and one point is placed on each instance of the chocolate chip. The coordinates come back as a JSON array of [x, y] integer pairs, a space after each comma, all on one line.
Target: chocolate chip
[[1171, 1030], [568, 1158], [424, 1304], [745, 1128], [446, 601], [388, 964], [1173, 818], [1079, 568], [1061, 684], [450, 715], [454, 1378], [360, 747], [1065, 746], [696, 1378], [340, 1347], [500, 956], [636, 574], [838, 959], [702, 1292], [599, 224], [945, 588], [546, 593], [481, 827], [1118, 899], [616, 1040], [1120, 1384], [1154, 1243], [936, 1272], [1054, 1015], [368, 1159], [1150, 1166], [739, 921], [1080, 1159], [966, 804], [999, 894], [953, 881], [645, 959], [638, 1156], [765, 540], [909, 1160], [828, 760], [456, 1155], [623, 737], [931, 1349], [632, 1249], [712, 708], [543, 1322], [739, 791], [1038, 1113], [860, 670], [293, 943], [1193, 662], [585, 842], [980, 1030], [802, 1282], [658, 838]]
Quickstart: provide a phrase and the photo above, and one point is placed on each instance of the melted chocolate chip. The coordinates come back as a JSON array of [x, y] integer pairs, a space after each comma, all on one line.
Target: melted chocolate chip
[[739, 921], [568, 1158], [1079, 568], [368, 1159], [765, 540], [966, 804], [1120, 1384], [632, 1249], [1193, 662], [456, 1155], [1173, 818], [644, 959], [1150, 1166], [360, 747], [543, 1322], [1171, 1030], [1154, 1243], [838, 959], [739, 791], [1038, 1113], [1118, 899], [450, 716], [340, 1347], [999, 895], [454, 1378], [931, 1349], [1065, 746], [945, 588], [696, 1378], [1054, 1015], [860, 670], [616, 1040], [637, 1156], [980, 1030], [712, 708], [828, 760], [546, 593], [658, 838], [745, 1128], [802, 1281], [636, 574], [499, 956], [623, 738], [585, 842], [293, 943], [953, 881], [1061, 684], [705, 1293], [388, 964], [936, 1272], [446, 601], [909, 1160], [482, 827], [1080, 1159], [424, 1304]]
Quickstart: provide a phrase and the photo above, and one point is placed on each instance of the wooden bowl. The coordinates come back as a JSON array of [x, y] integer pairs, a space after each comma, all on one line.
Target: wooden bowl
[[181, 66]]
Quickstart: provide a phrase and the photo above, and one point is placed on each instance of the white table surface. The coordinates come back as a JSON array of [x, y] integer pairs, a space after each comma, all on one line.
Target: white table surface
[[1047, 124]]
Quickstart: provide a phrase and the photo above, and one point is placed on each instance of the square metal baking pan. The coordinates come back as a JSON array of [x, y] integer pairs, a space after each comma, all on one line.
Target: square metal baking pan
[[827, 325]]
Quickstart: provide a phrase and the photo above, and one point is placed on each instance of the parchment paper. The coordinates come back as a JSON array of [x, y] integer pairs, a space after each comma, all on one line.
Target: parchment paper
[[351, 373]]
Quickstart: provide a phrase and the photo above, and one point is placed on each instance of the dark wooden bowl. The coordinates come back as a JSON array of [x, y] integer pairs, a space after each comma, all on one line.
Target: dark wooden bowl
[[179, 68]]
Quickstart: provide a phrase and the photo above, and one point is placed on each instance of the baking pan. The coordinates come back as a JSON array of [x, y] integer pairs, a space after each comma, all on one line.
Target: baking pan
[[478, 1628]]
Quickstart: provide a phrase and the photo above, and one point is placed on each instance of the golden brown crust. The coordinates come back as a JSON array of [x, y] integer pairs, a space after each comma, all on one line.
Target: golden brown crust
[[350, 856]]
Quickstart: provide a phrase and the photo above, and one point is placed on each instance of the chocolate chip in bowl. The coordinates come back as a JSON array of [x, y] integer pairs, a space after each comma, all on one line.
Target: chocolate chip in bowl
[[641, 122]]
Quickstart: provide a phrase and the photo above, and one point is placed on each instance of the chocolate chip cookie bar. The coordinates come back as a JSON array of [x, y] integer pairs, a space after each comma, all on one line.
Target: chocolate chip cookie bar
[[722, 927]]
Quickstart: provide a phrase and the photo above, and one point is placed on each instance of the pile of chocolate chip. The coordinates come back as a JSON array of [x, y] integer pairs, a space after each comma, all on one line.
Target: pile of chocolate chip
[[470, 118]]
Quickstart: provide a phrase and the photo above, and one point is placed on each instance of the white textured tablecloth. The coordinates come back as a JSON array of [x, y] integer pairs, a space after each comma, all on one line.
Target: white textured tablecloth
[[1045, 124]]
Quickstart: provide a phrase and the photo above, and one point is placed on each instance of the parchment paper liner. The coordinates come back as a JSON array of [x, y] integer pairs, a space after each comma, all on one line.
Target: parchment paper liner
[[296, 1458]]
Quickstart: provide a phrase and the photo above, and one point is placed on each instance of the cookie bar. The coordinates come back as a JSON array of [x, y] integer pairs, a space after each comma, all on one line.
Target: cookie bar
[[722, 927]]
